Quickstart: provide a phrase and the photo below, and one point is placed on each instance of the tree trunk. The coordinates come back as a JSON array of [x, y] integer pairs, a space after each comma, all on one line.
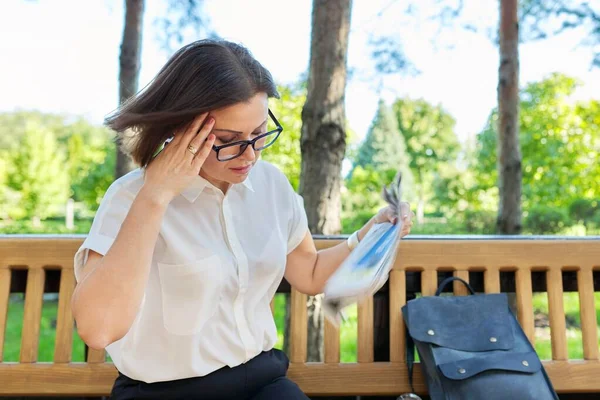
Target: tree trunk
[[129, 66], [509, 153], [323, 141]]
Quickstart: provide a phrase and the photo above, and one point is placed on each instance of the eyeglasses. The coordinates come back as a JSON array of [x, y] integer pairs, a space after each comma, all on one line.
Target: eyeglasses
[[230, 151]]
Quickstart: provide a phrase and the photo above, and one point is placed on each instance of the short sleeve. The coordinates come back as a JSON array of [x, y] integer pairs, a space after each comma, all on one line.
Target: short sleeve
[[113, 209], [298, 223]]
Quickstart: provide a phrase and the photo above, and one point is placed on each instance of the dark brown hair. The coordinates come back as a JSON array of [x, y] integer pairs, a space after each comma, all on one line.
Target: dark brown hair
[[202, 76]]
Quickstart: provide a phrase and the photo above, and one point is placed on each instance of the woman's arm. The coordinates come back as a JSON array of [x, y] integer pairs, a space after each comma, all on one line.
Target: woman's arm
[[307, 269], [111, 287]]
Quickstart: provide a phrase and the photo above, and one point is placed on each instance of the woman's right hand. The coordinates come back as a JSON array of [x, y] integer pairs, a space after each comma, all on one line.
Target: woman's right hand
[[176, 166]]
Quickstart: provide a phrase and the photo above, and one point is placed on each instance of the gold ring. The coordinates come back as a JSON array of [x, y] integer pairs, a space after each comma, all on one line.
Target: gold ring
[[192, 149]]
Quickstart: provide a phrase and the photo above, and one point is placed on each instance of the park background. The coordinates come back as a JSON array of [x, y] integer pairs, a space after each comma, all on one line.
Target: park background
[[424, 93]]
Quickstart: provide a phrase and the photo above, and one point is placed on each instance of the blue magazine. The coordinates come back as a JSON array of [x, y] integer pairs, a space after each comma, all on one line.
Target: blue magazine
[[367, 268]]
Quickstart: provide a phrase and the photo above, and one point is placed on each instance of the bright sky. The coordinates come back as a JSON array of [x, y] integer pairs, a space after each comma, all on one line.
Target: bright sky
[[62, 55]]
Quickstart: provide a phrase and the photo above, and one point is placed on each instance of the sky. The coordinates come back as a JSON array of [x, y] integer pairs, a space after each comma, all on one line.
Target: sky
[[62, 55]]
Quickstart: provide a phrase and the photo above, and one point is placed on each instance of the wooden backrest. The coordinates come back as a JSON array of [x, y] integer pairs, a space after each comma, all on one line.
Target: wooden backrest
[[427, 257]]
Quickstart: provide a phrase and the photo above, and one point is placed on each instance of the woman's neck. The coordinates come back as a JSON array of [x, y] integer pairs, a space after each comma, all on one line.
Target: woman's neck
[[221, 185]]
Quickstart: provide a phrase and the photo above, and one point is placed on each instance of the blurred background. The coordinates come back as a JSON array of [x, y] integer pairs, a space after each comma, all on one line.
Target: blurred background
[[421, 96], [491, 110]]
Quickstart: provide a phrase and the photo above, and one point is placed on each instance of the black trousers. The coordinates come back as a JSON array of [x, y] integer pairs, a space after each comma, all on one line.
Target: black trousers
[[262, 378]]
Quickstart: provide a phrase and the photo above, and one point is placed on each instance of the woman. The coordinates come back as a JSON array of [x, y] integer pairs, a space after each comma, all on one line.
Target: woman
[[185, 253]]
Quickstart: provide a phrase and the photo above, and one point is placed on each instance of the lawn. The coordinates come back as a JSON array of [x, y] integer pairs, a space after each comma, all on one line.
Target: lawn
[[348, 329], [573, 320], [12, 340]]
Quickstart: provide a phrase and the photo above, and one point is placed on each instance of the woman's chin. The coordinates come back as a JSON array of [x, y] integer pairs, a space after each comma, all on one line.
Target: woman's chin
[[236, 178]]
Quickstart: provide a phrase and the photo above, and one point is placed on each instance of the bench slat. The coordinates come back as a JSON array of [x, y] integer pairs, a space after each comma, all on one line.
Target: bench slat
[[525, 302], [332, 378], [556, 309], [458, 288], [96, 356], [589, 329], [32, 314], [365, 331], [332, 343], [64, 325], [427, 254], [298, 327], [491, 278], [5, 277], [380, 378], [57, 250], [397, 329], [429, 282]]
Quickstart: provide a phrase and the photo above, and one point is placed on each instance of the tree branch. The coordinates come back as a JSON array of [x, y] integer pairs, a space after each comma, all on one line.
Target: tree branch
[[181, 16]]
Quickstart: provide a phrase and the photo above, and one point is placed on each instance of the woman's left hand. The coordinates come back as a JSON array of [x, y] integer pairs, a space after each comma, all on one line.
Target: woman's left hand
[[387, 214]]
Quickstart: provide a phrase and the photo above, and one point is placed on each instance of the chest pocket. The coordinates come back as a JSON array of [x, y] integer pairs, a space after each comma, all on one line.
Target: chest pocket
[[190, 294]]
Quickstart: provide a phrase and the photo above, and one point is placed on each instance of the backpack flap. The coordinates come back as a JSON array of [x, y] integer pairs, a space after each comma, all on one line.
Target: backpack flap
[[466, 323], [472, 347], [516, 362]]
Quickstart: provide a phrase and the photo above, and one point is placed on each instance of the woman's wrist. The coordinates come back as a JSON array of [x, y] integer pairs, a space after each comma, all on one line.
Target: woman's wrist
[[362, 232], [353, 240], [358, 235], [155, 196]]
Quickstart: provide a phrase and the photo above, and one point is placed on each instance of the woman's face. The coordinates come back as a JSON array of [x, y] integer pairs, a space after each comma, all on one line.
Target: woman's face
[[241, 121]]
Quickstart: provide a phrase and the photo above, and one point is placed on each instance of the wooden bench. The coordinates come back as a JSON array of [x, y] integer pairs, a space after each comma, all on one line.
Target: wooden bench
[[424, 258]]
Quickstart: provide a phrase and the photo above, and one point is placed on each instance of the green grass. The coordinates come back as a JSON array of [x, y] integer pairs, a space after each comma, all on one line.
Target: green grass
[[573, 321], [348, 335], [543, 347], [279, 319], [12, 340], [348, 329], [571, 305]]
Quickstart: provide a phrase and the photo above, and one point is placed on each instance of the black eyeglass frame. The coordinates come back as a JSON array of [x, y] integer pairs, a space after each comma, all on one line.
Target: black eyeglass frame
[[245, 143]]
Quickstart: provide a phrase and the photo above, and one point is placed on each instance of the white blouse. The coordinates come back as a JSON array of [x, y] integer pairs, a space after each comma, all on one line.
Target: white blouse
[[216, 266]]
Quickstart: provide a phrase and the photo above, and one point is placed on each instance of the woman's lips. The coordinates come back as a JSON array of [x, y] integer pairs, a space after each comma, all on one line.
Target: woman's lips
[[242, 170]]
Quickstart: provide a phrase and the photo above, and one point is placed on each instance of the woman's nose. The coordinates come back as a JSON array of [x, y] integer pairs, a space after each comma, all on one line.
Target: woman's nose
[[248, 154]]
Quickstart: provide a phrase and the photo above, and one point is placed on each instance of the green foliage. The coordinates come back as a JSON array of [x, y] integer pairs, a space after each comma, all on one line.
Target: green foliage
[[453, 191], [13, 126], [479, 222], [4, 189], [92, 160], [285, 153], [560, 142], [362, 196], [426, 154], [384, 147], [592, 226], [560, 146], [377, 160], [582, 210], [442, 226], [546, 220], [429, 134], [36, 172], [48, 226], [433, 147], [48, 159]]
